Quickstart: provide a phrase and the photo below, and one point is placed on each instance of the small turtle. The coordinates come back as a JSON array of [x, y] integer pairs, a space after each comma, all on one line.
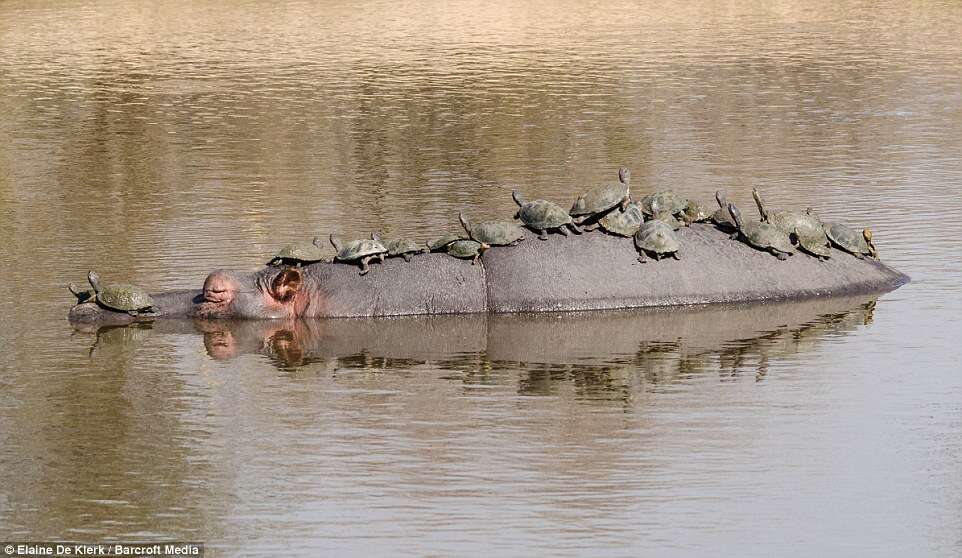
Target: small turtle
[[440, 244], [399, 247], [763, 236], [541, 216], [668, 200], [602, 198], [663, 213], [813, 242], [623, 222], [657, 238], [492, 233], [362, 251], [467, 250], [847, 239], [721, 217], [297, 255], [119, 298], [693, 213], [788, 221]]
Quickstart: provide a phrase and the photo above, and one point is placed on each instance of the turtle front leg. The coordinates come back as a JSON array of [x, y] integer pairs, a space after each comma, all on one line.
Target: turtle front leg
[[859, 256], [474, 260], [406, 256], [364, 266], [780, 255], [562, 231], [642, 257], [574, 228], [675, 255], [380, 257], [542, 235]]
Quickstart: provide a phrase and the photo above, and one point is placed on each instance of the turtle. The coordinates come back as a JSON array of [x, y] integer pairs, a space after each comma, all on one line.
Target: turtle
[[119, 298], [296, 255], [467, 249], [667, 199], [400, 247], [440, 244], [658, 238], [788, 221], [693, 213], [763, 236], [662, 213], [492, 233], [362, 251], [721, 217], [542, 215], [623, 222], [848, 240], [600, 199], [815, 243]]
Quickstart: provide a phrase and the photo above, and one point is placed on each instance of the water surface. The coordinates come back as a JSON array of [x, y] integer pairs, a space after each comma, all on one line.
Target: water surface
[[158, 142]]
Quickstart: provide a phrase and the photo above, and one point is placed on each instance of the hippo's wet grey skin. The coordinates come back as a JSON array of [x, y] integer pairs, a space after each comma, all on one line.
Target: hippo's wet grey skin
[[590, 272]]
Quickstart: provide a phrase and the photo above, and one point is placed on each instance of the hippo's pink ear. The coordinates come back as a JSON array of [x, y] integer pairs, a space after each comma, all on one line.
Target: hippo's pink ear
[[286, 284]]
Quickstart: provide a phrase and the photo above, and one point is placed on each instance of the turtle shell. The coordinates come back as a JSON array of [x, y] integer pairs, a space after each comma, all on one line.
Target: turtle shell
[[400, 246], [847, 238], [623, 223], [766, 235], [656, 237], [667, 200], [790, 221], [496, 233], [693, 213], [297, 253], [816, 244], [357, 249], [125, 298], [464, 248], [442, 242], [541, 215], [599, 199]]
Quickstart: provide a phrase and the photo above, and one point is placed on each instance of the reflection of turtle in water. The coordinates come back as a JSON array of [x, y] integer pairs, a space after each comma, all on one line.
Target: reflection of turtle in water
[[763, 236], [119, 298], [847, 239], [361, 251], [297, 255], [602, 198], [542, 216]]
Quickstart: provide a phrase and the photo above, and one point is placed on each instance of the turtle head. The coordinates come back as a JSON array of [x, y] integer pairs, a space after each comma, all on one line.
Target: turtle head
[[335, 242], [317, 242], [578, 206], [375, 236], [867, 234], [624, 175], [464, 222], [94, 279], [516, 196], [721, 199], [82, 295], [736, 215], [761, 204]]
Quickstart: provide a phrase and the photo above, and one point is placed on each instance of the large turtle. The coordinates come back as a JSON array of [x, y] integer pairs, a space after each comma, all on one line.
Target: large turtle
[[623, 222], [441, 243], [492, 233], [721, 217], [542, 216], [297, 255], [602, 198], [399, 247], [788, 221], [657, 238], [119, 298], [467, 250], [763, 236], [361, 251], [847, 239], [663, 213]]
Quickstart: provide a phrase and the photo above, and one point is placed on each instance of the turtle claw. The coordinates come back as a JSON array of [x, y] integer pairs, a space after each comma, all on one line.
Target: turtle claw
[[574, 228], [407, 257], [562, 231], [675, 255], [543, 235], [364, 267]]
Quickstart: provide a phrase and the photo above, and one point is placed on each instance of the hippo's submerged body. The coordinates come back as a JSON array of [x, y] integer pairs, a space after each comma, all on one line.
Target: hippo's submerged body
[[590, 272]]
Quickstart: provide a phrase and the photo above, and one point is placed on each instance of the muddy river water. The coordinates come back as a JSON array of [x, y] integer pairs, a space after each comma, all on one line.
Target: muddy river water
[[156, 142]]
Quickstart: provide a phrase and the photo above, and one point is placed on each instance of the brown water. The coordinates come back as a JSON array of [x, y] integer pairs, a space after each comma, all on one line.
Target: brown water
[[156, 142]]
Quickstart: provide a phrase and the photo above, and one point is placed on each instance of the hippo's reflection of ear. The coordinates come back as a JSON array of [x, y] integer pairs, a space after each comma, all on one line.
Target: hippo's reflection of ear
[[285, 348]]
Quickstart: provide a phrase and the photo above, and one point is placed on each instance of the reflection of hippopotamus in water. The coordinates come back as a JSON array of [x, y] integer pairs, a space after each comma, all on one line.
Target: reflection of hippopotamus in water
[[591, 272]]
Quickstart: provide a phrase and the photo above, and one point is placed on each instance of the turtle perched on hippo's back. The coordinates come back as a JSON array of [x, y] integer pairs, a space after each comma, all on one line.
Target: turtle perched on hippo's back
[[847, 239], [763, 236], [542, 216], [657, 238], [596, 201], [492, 233], [361, 251], [399, 247], [467, 250], [296, 255]]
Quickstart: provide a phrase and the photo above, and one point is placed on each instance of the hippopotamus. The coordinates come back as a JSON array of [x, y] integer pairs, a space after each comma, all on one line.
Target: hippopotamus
[[563, 273]]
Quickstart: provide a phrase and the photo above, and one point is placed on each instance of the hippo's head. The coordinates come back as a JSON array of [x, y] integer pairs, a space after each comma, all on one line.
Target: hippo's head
[[271, 293]]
